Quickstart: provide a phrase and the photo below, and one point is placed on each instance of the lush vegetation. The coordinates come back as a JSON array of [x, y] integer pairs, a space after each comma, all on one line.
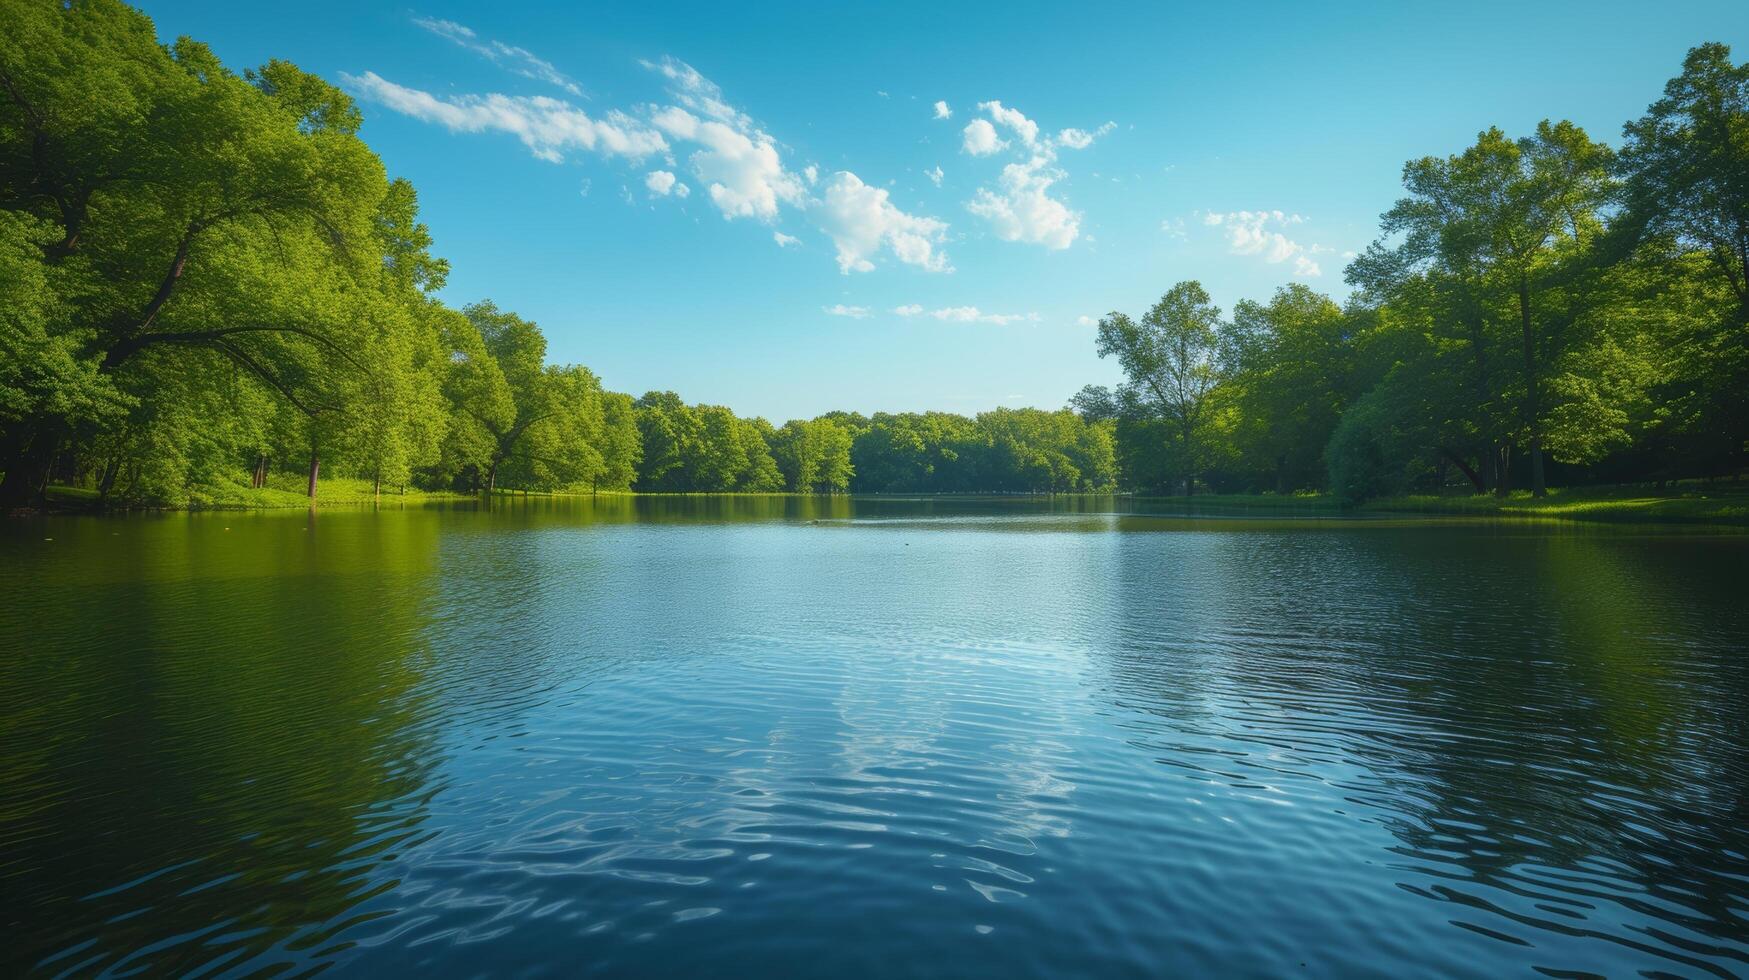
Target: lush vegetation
[[1540, 310], [210, 287]]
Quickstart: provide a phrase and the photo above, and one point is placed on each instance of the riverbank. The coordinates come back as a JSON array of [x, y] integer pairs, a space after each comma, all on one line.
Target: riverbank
[[290, 492], [1683, 503]]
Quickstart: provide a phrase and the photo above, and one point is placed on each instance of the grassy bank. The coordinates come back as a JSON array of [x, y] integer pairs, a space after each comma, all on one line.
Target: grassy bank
[[282, 491], [1683, 503], [1693, 503]]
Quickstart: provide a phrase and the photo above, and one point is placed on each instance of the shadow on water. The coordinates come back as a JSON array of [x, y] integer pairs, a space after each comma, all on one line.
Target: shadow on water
[[185, 747], [1550, 726]]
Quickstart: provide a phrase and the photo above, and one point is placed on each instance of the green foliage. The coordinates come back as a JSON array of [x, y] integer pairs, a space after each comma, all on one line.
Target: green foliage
[[208, 282], [1169, 360]]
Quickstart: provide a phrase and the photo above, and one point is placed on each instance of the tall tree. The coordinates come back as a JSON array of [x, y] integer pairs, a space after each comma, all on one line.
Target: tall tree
[[1507, 223], [192, 210], [1287, 362], [1168, 358]]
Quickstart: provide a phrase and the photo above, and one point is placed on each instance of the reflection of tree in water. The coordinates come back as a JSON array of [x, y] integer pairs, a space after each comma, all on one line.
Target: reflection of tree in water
[[238, 739], [1602, 694], [1551, 724]]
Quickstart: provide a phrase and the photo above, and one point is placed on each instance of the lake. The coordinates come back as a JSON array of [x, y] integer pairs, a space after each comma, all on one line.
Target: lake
[[871, 737]]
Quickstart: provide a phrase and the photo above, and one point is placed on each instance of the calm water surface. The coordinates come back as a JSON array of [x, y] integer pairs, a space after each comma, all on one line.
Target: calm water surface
[[776, 736]]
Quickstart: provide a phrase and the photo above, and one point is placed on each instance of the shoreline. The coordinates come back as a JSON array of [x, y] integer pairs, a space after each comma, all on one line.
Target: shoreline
[[1615, 504]]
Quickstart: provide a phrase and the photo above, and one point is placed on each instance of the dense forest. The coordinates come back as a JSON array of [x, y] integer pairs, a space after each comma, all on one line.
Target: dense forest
[[208, 280]]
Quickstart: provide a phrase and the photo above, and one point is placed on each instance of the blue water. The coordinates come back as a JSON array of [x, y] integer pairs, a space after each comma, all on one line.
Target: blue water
[[870, 738]]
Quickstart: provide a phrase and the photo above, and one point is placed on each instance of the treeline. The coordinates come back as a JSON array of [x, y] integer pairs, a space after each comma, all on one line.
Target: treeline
[[208, 280], [1539, 310]]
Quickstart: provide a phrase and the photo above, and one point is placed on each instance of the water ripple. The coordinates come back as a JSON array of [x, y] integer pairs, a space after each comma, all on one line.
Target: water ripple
[[868, 738]]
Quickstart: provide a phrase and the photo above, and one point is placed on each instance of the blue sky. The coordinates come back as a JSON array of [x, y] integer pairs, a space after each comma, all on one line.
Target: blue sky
[[745, 205]]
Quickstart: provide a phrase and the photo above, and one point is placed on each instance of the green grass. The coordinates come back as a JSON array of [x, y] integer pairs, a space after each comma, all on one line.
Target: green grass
[[1298, 503], [1691, 503], [1683, 503], [283, 490]]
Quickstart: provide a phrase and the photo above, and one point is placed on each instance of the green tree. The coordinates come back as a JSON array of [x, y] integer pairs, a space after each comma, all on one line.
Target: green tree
[[1507, 224], [1287, 365], [1168, 358], [191, 212]]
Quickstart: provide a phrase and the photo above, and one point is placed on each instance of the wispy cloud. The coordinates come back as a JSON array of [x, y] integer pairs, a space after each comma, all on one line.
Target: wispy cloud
[[1259, 233], [853, 312], [1020, 206], [964, 314], [548, 127], [728, 156], [1081, 139], [520, 61]]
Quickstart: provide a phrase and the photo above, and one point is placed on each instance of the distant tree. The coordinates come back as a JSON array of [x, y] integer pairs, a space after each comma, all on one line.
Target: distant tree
[[815, 456]]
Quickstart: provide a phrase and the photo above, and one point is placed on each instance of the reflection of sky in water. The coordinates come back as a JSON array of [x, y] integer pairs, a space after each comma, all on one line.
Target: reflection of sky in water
[[710, 735]]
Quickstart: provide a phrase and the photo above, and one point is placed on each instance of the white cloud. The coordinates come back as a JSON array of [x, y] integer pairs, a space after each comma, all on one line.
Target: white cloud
[[742, 171], [1022, 210], [909, 309], [971, 314], [698, 93], [943, 111], [1257, 233], [548, 127], [520, 61], [1086, 321], [854, 312], [783, 240], [1020, 207], [934, 176], [981, 139], [1081, 139], [861, 221], [701, 135], [1014, 119]]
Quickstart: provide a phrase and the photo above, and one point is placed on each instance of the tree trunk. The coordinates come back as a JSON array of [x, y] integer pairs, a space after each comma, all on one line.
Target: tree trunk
[[492, 478], [315, 468], [1281, 474], [376, 485], [1189, 466], [1475, 478], [27, 471], [1532, 411], [107, 482], [1503, 470]]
